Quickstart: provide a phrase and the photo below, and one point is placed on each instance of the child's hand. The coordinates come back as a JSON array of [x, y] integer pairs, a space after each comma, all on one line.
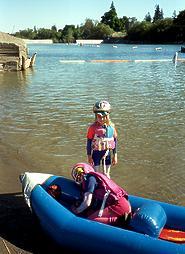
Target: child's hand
[[114, 159], [90, 160]]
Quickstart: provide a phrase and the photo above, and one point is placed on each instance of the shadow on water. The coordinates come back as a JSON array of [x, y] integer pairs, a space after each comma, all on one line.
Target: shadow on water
[[20, 231]]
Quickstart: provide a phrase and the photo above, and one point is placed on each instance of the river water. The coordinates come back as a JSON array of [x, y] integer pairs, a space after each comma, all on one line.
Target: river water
[[45, 112]]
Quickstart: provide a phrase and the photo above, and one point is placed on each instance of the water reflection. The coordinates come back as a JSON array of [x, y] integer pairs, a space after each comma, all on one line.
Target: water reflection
[[16, 78]]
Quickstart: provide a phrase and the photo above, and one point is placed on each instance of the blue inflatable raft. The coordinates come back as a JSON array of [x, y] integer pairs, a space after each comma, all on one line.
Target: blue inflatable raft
[[86, 236]]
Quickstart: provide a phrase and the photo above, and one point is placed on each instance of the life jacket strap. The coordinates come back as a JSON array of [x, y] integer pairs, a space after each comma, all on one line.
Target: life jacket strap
[[103, 203]]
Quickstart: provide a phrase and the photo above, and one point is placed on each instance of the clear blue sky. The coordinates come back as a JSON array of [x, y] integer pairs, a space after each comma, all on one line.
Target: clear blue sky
[[17, 15]]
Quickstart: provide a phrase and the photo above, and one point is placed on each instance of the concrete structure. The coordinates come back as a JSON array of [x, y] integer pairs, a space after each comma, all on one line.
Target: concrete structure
[[14, 54]]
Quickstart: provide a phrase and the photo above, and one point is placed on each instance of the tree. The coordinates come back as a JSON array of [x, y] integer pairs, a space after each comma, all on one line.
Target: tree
[[180, 19], [148, 17], [44, 33], [68, 34], [88, 29], [162, 31], [179, 24], [140, 31], [174, 15], [54, 28], [102, 31], [158, 15], [35, 29], [77, 33], [132, 21], [26, 34], [110, 18], [125, 23]]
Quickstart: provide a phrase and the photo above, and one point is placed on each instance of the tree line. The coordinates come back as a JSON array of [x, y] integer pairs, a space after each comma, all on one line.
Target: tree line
[[111, 28]]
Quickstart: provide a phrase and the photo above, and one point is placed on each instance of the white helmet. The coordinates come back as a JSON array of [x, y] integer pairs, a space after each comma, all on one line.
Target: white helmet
[[102, 107]]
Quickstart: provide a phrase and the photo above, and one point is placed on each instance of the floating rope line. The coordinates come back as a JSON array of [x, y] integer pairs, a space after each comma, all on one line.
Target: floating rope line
[[72, 61], [153, 60], [110, 61], [120, 61]]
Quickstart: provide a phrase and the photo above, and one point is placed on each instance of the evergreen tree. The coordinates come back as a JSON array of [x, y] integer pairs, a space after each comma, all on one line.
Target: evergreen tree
[[174, 15], [158, 15], [148, 17], [110, 18], [162, 14], [54, 28], [179, 24], [180, 19], [160, 30], [35, 29]]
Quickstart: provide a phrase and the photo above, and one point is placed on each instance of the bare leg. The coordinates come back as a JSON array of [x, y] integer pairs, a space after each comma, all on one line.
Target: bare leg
[[108, 170], [97, 168]]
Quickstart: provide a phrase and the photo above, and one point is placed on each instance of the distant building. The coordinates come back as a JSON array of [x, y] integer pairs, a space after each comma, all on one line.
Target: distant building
[[14, 54]]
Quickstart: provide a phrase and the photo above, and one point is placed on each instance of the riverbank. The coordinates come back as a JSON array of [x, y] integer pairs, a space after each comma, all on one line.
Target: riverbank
[[125, 40]]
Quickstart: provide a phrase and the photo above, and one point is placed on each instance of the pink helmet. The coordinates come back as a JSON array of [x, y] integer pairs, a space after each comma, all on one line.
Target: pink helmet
[[81, 168]]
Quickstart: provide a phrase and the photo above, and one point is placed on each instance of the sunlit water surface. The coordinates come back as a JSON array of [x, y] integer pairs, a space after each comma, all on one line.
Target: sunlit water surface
[[45, 112]]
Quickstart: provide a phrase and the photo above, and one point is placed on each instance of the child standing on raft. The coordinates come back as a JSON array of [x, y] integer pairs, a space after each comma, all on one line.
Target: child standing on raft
[[102, 139]]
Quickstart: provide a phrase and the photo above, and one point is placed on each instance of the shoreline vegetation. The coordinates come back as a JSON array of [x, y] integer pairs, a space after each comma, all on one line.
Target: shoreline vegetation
[[113, 29]]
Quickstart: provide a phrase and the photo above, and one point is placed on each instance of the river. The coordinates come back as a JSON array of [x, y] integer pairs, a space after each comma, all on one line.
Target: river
[[45, 112]]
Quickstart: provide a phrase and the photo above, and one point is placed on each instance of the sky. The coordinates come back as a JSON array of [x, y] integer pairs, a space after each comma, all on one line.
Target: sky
[[18, 15]]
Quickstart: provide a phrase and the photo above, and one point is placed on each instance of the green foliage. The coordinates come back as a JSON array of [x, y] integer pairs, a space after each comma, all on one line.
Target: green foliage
[[102, 31], [180, 19], [125, 23], [88, 29], [54, 28], [44, 33], [174, 15], [68, 34], [179, 26], [140, 31], [158, 15], [148, 17], [111, 19], [160, 30], [26, 34]]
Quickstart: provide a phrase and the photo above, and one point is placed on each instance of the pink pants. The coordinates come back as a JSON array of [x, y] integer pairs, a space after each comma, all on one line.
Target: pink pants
[[112, 213]]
